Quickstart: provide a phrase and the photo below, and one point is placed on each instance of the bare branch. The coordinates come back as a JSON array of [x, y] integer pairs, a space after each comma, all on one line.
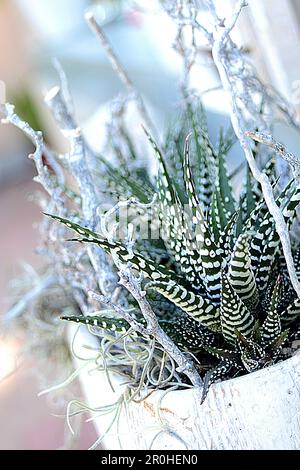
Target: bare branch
[[132, 284], [120, 71], [56, 102], [36, 137], [278, 147], [184, 366], [77, 162], [64, 85], [235, 16], [122, 313], [114, 60], [176, 13], [240, 101]]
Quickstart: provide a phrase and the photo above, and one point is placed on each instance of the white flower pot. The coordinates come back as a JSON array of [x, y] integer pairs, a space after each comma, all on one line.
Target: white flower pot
[[257, 411]]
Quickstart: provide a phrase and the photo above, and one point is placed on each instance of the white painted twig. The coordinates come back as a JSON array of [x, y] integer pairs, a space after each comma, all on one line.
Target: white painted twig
[[185, 366], [132, 284], [64, 85], [121, 312], [36, 137], [120, 71], [52, 185], [223, 58], [107, 278], [279, 148]]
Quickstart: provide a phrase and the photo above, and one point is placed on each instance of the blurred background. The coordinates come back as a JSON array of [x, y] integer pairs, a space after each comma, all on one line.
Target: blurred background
[[32, 33]]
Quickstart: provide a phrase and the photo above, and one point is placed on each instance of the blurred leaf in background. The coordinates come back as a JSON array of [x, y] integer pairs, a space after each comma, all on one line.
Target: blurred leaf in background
[[27, 108]]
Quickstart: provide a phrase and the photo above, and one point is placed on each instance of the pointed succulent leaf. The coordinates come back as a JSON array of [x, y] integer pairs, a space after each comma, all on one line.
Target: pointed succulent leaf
[[148, 267], [226, 140], [250, 199], [223, 205], [218, 216], [218, 373], [256, 332], [125, 184], [253, 356], [296, 257], [208, 251], [247, 199], [226, 238], [240, 273], [170, 207], [187, 333], [255, 217], [234, 314], [267, 259], [271, 327], [291, 313], [224, 354], [83, 231], [279, 341], [205, 158], [164, 280], [106, 323], [269, 170], [224, 187], [174, 227], [194, 305], [266, 228]]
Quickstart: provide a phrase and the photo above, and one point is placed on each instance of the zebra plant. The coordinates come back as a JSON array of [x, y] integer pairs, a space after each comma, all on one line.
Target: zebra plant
[[216, 277]]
